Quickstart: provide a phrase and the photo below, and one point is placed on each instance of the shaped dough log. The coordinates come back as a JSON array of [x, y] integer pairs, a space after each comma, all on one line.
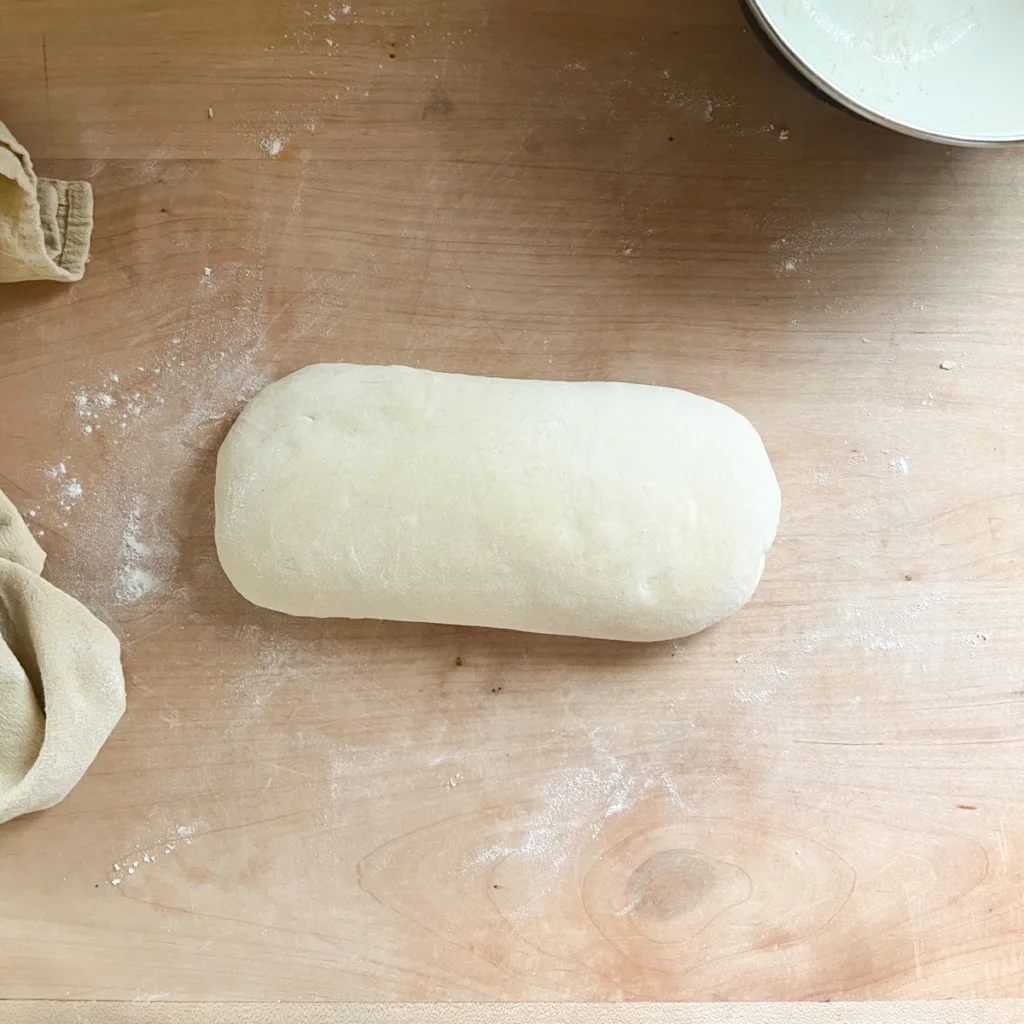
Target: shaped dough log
[[61, 686], [608, 510]]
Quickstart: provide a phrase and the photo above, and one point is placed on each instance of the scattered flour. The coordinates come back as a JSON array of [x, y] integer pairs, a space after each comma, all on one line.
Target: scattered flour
[[102, 411], [815, 238], [134, 581], [122, 869], [770, 677], [574, 804], [570, 810], [267, 666], [901, 465], [154, 429], [868, 626], [70, 493], [358, 772], [273, 146]]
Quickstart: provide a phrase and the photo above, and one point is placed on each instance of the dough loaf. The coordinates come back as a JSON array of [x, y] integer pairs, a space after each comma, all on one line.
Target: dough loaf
[[593, 509]]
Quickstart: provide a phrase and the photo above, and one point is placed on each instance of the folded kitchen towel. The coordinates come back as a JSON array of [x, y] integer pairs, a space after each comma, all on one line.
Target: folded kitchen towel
[[61, 685], [45, 224]]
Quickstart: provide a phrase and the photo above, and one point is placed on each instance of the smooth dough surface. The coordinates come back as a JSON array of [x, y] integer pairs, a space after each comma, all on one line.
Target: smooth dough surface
[[597, 509]]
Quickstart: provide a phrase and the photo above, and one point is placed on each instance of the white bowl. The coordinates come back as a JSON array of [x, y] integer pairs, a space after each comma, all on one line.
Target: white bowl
[[950, 70]]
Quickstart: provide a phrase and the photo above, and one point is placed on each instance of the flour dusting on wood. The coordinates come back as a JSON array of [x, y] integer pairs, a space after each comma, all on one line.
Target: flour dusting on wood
[[134, 580], [153, 429]]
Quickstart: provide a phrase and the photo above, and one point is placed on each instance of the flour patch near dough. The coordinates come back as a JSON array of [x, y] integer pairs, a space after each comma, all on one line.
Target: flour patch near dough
[[153, 426], [134, 579], [266, 666]]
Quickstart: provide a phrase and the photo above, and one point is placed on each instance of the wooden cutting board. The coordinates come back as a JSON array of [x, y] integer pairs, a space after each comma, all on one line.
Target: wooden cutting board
[[818, 800], [987, 1011]]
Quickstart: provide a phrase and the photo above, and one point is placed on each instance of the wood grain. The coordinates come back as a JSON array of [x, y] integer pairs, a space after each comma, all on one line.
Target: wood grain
[[819, 799], [989, 1011]]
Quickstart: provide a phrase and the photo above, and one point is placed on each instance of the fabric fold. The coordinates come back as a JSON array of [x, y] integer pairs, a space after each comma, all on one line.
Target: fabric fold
[[61, 684], [45, 223]]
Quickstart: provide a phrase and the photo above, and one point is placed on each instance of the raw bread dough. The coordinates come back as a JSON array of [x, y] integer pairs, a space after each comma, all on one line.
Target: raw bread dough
[[593, 509], [61, 686]]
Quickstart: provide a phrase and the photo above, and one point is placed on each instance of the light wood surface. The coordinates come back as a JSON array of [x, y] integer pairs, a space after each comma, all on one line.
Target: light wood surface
[[989, 1011], [819, 799]]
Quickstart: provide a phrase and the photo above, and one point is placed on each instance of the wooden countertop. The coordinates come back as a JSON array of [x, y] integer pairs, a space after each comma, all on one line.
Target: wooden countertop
[[818, 799]]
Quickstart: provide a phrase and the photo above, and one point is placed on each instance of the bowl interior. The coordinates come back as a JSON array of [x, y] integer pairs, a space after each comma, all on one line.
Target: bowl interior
[[942, 68]]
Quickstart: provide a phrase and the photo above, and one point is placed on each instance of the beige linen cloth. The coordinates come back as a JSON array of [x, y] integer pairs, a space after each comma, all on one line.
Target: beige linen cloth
[[45, 224], [61, 685]]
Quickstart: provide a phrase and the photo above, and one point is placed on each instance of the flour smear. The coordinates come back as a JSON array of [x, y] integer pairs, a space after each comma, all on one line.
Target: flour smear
[[149, 429], [572, 808]]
